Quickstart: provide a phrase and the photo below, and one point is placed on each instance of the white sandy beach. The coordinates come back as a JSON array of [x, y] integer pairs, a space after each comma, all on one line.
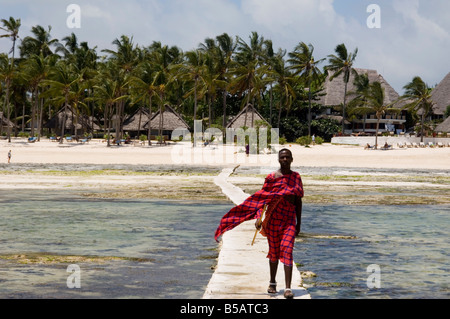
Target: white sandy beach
[[327, 155]]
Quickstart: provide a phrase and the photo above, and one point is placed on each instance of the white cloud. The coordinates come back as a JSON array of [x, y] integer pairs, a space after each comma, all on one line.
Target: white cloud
[[413, 39]]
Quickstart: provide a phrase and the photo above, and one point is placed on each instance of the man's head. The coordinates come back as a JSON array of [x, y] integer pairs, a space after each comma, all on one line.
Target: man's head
[[285, 158]]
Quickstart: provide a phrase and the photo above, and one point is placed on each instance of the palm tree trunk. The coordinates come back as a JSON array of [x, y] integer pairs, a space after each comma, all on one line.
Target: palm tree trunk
[[271, 102], [64, 121], [224, 107], [376, 132], [309, 108], [149, 120], [8, 129], [422, 120], [343, 109]]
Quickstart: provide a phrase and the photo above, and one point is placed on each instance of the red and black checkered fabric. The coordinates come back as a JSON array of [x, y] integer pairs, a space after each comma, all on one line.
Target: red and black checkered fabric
[[279, 224]]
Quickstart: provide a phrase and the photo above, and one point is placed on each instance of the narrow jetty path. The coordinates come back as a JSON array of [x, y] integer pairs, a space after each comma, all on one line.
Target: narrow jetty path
[[242, 270]]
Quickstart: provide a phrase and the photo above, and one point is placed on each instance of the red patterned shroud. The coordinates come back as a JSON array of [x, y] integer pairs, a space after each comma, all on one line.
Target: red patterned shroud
[[272, 193]]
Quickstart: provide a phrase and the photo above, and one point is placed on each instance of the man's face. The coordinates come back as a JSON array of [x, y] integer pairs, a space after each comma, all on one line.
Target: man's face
[[285, 159]]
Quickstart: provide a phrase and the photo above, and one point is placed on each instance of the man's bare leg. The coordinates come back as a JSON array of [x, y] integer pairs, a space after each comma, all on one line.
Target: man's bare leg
[[288, 279], [273, 274]]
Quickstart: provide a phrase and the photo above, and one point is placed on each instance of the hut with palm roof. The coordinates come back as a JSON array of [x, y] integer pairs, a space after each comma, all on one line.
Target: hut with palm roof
[[75, 124], [248, 117], [134, 124], [5, 124], [167, 121], [441, 97], [333, 97]]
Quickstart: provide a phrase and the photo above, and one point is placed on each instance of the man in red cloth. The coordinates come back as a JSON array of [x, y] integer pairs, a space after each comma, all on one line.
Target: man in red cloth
[[282, 192]]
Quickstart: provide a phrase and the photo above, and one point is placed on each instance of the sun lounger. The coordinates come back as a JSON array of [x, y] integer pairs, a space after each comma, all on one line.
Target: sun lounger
[[409, 145], [69, 139], [439, 144], [415, 145], [422, 144], [32, 139], [431, 145]]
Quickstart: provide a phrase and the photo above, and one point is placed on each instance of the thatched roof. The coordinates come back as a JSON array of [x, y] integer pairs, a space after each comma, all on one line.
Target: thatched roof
[[239, 120], [334, 90], [136, 121], [82, 122], [441, 96], [171, 120], [444, 126], [4, 122]]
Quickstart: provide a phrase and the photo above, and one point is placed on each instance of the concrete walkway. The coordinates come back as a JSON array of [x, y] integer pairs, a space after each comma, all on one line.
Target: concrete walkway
[[243, 270]]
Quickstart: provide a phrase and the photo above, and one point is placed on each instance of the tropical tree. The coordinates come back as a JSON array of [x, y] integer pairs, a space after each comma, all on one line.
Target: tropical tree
[[40, 43], [372, 100], [11, 27], [303, 63], [226, 47], [418, 96], [342, 64], [144, 88], [285, 84], [249, 71], [63, 85], [34, 71], [193, 69]]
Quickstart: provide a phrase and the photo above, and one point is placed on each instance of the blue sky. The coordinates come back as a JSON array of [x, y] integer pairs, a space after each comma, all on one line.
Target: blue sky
[[414, 38]]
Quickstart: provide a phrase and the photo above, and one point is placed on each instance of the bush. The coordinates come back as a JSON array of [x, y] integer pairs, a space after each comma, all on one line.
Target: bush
[[304, 140], [143, 138], [319, 140], [282, 140]]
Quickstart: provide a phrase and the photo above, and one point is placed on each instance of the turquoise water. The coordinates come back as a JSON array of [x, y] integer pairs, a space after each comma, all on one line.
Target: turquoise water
[[174, 239], [410, 244]]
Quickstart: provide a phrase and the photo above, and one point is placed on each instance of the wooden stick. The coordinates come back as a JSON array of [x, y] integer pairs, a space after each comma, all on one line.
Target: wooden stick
[[260, 219]]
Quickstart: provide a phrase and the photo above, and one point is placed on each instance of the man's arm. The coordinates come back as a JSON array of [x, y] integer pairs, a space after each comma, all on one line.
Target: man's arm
[[298, 211]]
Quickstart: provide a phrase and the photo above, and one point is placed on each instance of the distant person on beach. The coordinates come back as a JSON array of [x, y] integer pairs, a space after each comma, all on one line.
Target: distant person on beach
[[282, 192], [9, 156]]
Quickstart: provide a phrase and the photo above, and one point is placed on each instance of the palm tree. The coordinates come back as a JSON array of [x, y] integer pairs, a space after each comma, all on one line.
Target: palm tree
[[40, 43], [249, 70], [62, 85], [226, 47], [143, 86], [285, 83], [342, 63], [6, 76], [34, 70], [372, 101], [418, 94], [11, 26], [304, 64], [193, 69]]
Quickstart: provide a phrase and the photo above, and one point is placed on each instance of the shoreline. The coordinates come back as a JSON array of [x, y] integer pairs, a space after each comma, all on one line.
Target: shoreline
[[327, 155]]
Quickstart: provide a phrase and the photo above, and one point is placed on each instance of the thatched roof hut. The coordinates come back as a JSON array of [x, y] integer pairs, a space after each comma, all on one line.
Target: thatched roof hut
[[136, 122], [441, 96], [252, 116], [334, 90], [444, 127], [5, 123], [79, 123], [171, 120]]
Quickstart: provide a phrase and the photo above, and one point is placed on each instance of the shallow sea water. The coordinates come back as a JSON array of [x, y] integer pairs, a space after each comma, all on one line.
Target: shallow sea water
[[175, 239], [409, 244]]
